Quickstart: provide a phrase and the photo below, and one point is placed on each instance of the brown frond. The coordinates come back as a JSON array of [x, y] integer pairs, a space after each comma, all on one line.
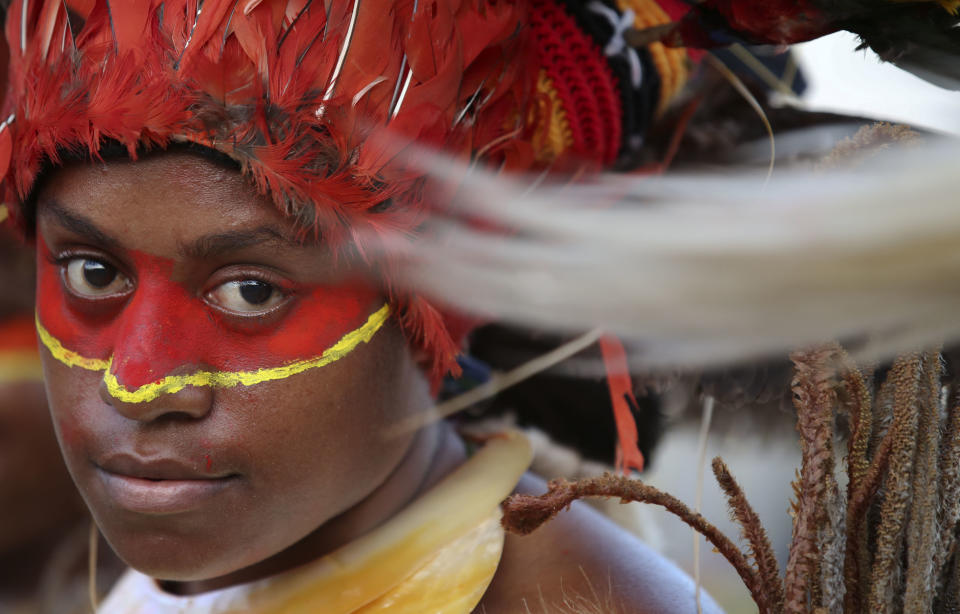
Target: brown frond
[[794, 508], [949, 487], [523, 514], [883, 411], [923, 533], [814, 391], [865, 501], [886, 571], [831, 543], [857, 402], [858, 509], [753, 532], [948, 599]]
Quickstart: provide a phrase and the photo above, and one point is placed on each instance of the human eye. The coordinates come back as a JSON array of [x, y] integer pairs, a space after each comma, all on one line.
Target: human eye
[[91, 278], [246, 296]]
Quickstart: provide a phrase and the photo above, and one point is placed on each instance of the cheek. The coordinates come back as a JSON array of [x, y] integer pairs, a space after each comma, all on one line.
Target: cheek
[[321, 438], [73, 399]]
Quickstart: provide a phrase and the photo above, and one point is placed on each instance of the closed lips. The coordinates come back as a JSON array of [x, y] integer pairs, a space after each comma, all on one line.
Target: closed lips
[[157, 469], [160, 487]]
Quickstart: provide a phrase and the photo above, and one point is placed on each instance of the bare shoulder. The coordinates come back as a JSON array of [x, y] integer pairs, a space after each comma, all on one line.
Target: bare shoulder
[[581, 563]]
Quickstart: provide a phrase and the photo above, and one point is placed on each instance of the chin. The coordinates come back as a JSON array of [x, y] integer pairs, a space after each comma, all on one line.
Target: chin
[[181, 557]]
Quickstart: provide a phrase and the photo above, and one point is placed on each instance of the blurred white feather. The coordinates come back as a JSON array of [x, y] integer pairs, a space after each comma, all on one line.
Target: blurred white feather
[[701, 269]]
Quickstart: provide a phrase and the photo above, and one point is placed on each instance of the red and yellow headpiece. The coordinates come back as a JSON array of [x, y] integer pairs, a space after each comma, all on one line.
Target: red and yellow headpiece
[[314, 98]]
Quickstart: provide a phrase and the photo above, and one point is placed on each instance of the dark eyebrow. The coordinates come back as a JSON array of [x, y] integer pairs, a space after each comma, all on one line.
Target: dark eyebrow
[[205, 247], [213, 245], [78, 224]]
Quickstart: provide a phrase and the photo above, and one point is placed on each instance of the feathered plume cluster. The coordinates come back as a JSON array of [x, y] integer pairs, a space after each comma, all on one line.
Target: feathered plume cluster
[[314, 99]]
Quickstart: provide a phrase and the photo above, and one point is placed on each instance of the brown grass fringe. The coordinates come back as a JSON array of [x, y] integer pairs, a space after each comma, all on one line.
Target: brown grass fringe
[[887, 543], [756, 536]]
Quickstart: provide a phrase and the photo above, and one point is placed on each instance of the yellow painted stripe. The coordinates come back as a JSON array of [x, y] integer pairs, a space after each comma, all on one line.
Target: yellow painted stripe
[[68, 357], [219, 379]]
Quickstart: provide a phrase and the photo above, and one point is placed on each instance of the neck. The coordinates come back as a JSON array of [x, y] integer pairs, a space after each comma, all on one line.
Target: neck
[[433, 453]]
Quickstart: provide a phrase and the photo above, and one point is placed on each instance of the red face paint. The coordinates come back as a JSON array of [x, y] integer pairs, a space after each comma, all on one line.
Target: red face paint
[[161, 327]]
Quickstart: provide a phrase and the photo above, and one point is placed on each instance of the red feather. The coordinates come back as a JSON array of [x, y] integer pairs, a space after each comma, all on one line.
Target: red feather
[[211, 22], [229, 78], [430, 37], [18, 16], [47, 24], [621, 389], [304, 62], [178, 22], [425, 328], [249, 30], [80, 8], [372, 57], [129, 20], [6, 147]]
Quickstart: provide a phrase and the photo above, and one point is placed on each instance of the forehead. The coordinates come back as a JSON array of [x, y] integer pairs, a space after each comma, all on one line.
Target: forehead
[[159, 203]]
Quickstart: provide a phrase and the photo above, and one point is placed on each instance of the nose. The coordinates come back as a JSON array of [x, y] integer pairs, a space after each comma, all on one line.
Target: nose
[[159, 343], [192, 402]]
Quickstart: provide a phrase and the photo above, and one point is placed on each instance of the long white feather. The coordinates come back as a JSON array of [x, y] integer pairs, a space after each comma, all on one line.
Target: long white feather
[[705, 269]]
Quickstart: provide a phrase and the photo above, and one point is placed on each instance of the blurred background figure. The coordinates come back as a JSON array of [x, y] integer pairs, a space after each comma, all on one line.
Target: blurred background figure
[[43, 523]]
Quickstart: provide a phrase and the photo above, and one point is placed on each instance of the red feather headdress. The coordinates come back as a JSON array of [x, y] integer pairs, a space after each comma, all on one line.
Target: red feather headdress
[[315, 100], [293, 90]]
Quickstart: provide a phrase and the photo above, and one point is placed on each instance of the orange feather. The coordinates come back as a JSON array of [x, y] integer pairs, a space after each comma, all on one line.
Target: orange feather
[[621, 389]]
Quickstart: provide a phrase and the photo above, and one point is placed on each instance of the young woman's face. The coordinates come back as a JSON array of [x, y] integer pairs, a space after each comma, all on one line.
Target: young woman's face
[[219, 389]]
